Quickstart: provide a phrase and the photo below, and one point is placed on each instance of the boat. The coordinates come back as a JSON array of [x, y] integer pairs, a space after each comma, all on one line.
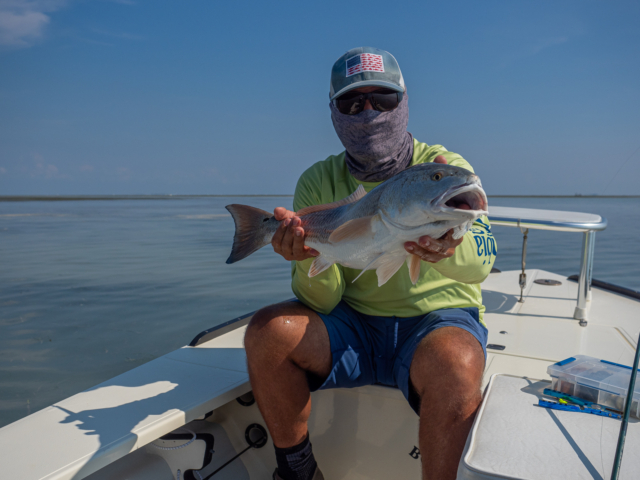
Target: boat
[[191, 414]]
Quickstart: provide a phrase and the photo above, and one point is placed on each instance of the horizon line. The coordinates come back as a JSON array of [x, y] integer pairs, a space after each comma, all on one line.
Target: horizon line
[[169, 196]]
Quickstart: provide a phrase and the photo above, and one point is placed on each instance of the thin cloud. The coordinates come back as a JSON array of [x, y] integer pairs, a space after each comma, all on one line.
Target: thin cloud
[[96, 42], [533, 47], [41, 169], [120, 35], [23, 22], [526, 40], [544, 43], [46, 170], [21, 29]]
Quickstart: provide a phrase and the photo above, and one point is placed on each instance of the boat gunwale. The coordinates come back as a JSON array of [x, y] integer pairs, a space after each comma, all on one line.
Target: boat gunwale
[[226, 327], [219, 330], [610, 287]]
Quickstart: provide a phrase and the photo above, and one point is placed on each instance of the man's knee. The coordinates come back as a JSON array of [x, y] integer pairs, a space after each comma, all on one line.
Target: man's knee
[[275, 328], [288, 331], [448, 361], [262, 318], [264, 325]]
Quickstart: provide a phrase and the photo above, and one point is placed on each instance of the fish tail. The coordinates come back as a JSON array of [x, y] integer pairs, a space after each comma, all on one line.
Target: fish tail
[[254, 230]]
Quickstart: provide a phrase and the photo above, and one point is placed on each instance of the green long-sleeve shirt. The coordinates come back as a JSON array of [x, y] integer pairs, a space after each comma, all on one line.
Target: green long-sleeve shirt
[[450, 283]]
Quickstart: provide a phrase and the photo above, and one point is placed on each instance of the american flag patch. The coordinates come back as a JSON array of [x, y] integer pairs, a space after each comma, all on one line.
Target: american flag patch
[[365, 62]]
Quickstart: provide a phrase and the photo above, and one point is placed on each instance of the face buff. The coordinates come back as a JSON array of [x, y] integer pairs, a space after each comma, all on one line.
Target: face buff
[[377, 144]]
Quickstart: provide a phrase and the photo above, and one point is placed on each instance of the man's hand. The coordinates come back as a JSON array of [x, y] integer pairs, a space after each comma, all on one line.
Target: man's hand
[[288, 240], [433, 250]]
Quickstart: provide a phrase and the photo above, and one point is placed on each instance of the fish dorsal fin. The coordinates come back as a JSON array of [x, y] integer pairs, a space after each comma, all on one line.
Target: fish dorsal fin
[[354, 197], [356, 229], [388, 265], [413, 262], [319, 265]]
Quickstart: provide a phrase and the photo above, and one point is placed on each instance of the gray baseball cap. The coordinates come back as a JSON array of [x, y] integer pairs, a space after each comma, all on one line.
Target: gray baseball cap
[[365, 67]]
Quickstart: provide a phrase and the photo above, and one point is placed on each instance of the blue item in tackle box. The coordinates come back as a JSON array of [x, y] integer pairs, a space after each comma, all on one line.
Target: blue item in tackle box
[[577, 408], [595, 380]]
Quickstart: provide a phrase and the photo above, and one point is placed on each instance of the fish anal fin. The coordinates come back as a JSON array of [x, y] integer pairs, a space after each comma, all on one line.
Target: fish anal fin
[[319, 265], [356, 229], [388, 265], [354, 197], [414, 263], [372, 265]]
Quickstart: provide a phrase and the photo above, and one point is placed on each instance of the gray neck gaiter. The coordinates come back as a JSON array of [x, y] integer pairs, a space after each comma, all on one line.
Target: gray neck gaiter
[[377, 144]]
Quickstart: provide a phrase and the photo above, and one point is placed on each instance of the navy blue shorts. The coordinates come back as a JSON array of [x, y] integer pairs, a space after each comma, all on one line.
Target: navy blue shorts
[[369, 350]]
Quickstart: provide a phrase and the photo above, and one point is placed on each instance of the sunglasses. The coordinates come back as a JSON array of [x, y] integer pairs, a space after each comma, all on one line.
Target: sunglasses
[[383, 100]]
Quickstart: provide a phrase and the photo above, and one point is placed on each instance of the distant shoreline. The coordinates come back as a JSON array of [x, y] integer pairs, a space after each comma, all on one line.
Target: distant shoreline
[[67, 198]]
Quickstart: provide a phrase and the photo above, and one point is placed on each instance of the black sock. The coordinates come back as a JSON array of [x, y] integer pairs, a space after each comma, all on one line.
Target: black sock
[[297, 462]]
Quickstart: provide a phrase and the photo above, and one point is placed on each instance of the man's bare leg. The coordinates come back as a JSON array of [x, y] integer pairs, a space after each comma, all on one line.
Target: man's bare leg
[[283, 341], [446, 371]]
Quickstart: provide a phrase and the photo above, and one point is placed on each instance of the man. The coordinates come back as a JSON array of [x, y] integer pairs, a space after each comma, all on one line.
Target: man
[[339, 333]]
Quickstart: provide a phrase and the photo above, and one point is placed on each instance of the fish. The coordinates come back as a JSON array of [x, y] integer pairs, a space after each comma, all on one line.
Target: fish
[[367, 231]]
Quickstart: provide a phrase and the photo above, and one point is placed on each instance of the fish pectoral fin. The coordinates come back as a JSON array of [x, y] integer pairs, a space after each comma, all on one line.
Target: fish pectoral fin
[[354, 197], [356, 229], [319, 265], [413, 262], [388, 265]]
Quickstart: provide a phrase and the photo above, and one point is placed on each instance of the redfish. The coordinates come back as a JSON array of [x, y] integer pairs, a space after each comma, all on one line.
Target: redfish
[[367, 231]]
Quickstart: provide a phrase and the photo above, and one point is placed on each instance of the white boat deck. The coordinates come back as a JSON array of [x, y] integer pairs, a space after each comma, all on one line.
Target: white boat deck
[[542, 330], [511, 438], [83, 433]]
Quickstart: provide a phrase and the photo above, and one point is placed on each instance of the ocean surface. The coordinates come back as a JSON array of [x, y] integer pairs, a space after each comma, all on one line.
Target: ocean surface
[[91, 289]]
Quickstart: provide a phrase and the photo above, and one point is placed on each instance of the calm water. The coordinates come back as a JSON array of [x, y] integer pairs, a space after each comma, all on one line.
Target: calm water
[[90, 289]]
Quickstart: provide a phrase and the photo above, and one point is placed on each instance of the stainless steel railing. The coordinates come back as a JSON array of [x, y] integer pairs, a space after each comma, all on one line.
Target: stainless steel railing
[[589, 224]]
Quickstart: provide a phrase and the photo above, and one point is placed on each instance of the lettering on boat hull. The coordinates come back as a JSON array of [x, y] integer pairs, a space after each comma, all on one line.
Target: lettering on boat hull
[[415, 453]]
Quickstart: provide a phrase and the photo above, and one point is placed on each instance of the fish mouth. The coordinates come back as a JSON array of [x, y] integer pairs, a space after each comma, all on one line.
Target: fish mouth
[[468, 194]]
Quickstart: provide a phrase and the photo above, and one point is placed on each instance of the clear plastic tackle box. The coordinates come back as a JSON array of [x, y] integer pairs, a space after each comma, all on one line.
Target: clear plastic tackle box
[[598, 381]]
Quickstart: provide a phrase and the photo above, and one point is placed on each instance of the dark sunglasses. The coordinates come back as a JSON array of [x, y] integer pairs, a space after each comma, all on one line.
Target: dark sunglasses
[[383, 100]]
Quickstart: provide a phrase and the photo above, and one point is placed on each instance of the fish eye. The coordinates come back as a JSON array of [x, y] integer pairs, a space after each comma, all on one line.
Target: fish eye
[[436, 177]]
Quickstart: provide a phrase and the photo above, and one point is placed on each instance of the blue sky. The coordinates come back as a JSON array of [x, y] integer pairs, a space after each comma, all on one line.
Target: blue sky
[[205, 97]]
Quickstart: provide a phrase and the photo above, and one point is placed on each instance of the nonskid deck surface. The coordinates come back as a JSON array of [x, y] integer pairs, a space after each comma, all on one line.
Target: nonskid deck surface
[[373, 426]]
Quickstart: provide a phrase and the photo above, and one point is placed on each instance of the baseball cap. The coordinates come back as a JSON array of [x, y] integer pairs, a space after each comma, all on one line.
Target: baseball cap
[[365, 67]]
